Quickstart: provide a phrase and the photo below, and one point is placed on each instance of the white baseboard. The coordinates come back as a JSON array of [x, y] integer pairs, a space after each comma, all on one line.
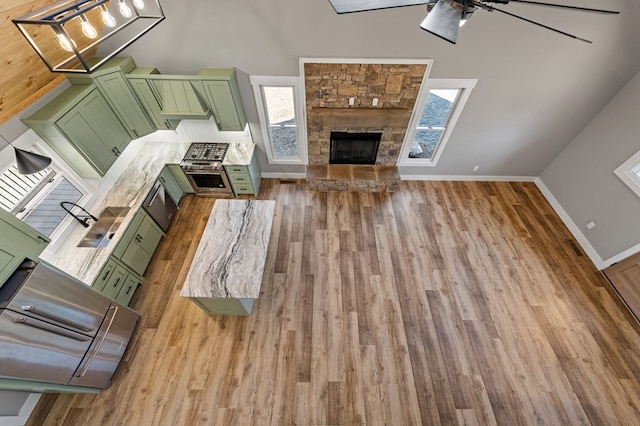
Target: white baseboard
[[620, 256], [470, 178], [573, 228]]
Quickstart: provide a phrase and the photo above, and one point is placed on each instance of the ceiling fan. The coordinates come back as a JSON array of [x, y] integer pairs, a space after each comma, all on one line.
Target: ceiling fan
[[445, 17]]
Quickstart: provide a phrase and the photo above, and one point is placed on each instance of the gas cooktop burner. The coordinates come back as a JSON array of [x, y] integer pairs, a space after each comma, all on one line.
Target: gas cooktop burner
[[206, 151]]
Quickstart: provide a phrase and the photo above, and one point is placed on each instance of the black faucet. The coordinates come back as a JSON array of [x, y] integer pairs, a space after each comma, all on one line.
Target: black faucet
[[83, 219]]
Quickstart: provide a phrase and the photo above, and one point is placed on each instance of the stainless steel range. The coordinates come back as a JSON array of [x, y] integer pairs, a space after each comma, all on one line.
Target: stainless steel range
[[203, 166]]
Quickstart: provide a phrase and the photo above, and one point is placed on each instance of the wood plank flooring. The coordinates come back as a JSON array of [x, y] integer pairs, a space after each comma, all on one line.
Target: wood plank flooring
[[442, 303]]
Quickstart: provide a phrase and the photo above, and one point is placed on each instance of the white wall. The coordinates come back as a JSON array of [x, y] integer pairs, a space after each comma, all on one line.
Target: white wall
[[581, 178]]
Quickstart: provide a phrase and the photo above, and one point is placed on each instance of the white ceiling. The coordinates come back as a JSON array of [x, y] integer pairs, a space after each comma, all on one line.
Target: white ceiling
[[536, 89]]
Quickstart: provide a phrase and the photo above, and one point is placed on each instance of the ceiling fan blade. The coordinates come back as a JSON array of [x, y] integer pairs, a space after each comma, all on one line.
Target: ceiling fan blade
[[491, 8], [562, 6], [347, 6], [444, 20]]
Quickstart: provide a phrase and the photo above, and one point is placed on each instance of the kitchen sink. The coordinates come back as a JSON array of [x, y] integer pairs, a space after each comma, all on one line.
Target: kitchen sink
[[104, 228]]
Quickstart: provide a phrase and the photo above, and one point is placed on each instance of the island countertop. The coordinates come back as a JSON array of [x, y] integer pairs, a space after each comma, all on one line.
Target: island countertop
[[229, 261]]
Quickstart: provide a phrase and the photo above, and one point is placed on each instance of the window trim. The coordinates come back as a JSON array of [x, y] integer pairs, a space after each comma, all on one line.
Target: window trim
[[625, 173], [258, 82], [465, 86], [62, 170]]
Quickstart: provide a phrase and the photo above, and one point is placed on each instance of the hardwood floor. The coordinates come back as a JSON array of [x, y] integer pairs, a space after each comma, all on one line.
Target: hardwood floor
[[442, 303]]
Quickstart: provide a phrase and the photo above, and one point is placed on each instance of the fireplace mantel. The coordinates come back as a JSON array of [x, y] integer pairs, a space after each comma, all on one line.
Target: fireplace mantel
[[376, 118]]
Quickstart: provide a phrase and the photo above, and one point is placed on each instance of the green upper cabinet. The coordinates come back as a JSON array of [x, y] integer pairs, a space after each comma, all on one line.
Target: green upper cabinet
[[149, 96], [180, 101], [111, 82], [17, 242], [222, 93], [82, 128]]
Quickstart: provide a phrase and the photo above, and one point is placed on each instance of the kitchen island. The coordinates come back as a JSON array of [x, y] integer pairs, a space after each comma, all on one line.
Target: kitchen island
[[226, 272]]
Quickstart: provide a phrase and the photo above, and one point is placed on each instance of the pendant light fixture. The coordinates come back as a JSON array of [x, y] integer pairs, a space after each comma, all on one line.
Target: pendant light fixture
[[28, 162], [67, 34]]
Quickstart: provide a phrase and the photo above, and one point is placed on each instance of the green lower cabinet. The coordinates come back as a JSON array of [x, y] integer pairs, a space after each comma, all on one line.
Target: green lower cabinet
[[138, 243], [129, 287], [18, 241], [117, 281], [105, 275], [171, 184], [244, 179]]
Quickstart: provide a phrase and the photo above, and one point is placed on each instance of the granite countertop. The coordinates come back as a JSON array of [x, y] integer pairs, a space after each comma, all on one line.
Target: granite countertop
[[238, 154], [229, 261], [128, 190]]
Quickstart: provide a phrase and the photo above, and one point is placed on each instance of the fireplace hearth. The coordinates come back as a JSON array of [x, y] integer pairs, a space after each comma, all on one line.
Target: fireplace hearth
[[354, 148]]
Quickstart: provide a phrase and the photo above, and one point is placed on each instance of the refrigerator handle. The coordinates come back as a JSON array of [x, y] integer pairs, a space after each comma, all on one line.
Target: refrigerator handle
[[114, 309], [51, 329], [31, 308]]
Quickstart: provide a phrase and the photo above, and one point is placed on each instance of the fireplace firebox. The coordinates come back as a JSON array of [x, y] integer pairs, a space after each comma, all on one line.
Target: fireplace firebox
[[354, 148]]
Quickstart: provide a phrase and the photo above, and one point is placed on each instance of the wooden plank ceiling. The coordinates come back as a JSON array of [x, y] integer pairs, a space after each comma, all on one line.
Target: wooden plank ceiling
[[24, 78]]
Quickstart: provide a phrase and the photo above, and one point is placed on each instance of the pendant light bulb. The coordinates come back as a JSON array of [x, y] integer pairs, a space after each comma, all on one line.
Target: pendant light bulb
[[125, 10], [65, 42], [107, 18], [87, 28], [139, 4]]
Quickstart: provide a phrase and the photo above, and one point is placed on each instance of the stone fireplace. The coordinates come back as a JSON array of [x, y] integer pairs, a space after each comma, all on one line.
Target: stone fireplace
[[328, 89]]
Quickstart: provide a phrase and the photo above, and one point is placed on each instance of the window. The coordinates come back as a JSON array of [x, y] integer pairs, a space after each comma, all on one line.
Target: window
[[629, 173], [280, 111], [439, 104], [35, 198]]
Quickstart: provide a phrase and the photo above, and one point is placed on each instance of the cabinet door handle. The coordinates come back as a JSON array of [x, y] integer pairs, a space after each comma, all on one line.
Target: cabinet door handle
[[116, 283], [106, 274], [129, 289], [44, 240], [135, 133]]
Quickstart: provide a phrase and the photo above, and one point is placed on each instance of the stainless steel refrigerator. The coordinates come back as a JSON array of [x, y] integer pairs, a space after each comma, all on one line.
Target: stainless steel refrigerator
[[56, 329]]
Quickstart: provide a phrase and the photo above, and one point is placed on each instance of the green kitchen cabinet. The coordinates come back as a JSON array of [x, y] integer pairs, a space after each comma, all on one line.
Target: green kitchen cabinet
[[111, 82], [222, 93], [180, 101], [149, 96], [17, 242], [82, 128], [244, 176], [116, 281], [175, 182], [127, 290], [100, 282], [138, 242]]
